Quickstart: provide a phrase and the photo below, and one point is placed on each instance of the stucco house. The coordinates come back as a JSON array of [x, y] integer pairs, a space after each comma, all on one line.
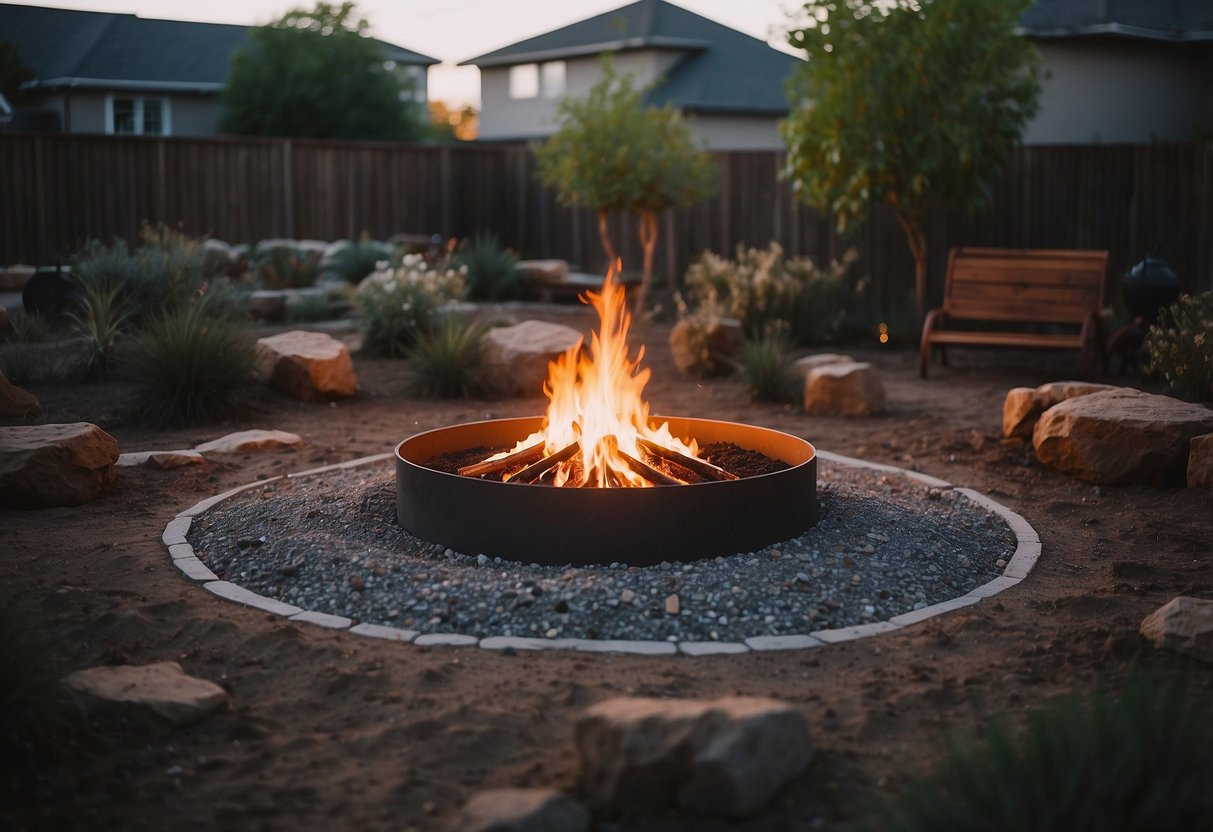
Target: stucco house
[[1122, 71], [97, 72], [729, 85]]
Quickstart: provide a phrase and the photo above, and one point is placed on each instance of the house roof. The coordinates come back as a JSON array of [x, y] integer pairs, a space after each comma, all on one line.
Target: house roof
[[103, 50], [1165, 20], [722, 70]]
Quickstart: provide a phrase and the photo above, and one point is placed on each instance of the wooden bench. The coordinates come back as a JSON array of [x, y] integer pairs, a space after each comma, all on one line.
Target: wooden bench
[[1056, 287]]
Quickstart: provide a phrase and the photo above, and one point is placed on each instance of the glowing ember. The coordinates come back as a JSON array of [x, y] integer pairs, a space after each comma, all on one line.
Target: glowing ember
[[596, 432]]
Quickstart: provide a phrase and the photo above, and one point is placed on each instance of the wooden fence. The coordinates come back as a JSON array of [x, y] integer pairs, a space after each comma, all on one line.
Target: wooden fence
[[58, 191]]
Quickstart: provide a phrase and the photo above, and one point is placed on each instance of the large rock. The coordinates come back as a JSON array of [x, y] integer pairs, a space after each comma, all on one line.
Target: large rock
[[16, 403], [1023, 405], [545, 271], [706, 348], [250, 440], [306, 365], [147, 693], [725, 757], [1200, 461], [521, 810], [1184, 625], [162, 460], [802, 366], [843, 390], [55, 465], [1120, 436], [514, 359]]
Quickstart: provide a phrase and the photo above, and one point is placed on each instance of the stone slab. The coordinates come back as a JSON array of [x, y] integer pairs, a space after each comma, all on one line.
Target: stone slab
[[232, 592], [636, 648], [842, 634], [711, 648], [445, 640], [386, 633], [195, 569], [523, 643], [323, 619]]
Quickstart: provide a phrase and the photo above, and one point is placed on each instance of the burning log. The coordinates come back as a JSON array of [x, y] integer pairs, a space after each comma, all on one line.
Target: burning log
[[526, 456], [538, 469], [647, 471], [698, 466]]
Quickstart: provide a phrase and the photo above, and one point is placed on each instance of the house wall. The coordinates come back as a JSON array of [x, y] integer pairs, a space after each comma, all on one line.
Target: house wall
[[1114, 91], [502, 117], [737, 132]]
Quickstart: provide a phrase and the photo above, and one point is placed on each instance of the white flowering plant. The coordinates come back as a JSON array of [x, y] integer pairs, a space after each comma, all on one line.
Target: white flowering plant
[[1181, 347], [397, 304]]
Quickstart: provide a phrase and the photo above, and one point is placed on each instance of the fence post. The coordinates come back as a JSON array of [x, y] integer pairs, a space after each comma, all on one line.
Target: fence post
[[288, 190], [39, 198], [161, 186]]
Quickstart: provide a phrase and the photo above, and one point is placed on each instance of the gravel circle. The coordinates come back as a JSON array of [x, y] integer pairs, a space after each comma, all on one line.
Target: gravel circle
[[885, 544]]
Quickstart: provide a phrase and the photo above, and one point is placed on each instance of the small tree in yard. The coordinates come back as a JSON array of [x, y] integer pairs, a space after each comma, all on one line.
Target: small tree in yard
[[907, 103], [316, 74], [613, 153]]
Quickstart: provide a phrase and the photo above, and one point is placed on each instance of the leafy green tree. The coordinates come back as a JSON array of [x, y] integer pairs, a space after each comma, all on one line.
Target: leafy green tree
[[906, 103], [614, 153], [317, 74], [13, 71]]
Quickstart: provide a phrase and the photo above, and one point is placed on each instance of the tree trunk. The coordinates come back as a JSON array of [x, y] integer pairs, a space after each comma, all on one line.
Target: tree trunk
[[917, 241], [648, 241], [605, 236]]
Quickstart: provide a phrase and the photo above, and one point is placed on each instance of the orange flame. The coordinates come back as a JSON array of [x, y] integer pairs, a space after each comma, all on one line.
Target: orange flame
[[595, 398]]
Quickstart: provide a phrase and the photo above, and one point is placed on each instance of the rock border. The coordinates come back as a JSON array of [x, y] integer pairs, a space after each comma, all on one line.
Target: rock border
[[1027, 552]]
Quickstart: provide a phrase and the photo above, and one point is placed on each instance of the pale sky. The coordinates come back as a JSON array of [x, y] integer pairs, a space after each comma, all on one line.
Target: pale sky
[[453, 30]]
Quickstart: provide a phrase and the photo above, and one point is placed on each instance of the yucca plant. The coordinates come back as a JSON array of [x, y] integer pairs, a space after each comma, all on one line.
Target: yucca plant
[[1138, 761], [188, 364], [445, 360], [32, 698], [492, 271], [99, 318], [764, 365]]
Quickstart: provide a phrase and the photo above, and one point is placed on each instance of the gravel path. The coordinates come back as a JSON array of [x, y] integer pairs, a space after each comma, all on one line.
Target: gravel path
[[884, 545]]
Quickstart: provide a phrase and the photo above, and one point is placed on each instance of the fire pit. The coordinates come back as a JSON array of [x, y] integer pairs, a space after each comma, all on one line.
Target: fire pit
[[597, 480]]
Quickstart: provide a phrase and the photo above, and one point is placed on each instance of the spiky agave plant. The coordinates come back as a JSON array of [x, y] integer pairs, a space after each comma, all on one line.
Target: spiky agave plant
[[445, 360], [100, 318]]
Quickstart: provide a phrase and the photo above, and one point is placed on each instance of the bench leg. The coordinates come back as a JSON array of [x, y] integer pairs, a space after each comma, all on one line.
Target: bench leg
[[924, 349]]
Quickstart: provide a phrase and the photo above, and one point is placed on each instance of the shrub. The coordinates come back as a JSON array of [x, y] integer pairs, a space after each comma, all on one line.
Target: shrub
[[188, 365], [395, 306], [32, 699], [1181, 346], [309, 308], [765, 362], [284, 267], [1136, 761], [99, 319], [492, 271], [358, 259], [762, 287], [27, 355], [446, 359]]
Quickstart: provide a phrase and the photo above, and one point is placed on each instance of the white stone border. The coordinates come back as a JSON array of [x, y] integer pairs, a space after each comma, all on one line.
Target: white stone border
[[1027, 552]]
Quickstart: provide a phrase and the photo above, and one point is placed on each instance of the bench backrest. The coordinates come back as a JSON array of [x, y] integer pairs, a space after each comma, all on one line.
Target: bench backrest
[[1006, 284]]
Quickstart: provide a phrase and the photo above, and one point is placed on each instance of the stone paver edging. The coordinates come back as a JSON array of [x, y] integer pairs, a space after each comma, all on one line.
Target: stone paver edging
[[1027, 552]]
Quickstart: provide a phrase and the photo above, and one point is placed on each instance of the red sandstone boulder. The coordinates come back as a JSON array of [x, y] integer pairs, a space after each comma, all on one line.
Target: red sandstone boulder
[[16, 403], [706, 348], [1023, 405], [1120, 436], [1184, 625], [521, 810], [306, 365], [1200, 462], [842, 389], [55, 465], [514, 359], [159, 692]]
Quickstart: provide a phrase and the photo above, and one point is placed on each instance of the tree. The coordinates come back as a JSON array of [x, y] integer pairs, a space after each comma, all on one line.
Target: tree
[[317, 74], [907, 103], [611, 152], [13, 71]]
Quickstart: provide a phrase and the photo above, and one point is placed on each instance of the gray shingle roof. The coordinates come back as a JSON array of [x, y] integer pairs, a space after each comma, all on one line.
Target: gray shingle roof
[[723, 70], [1166, 20], [64, 47]]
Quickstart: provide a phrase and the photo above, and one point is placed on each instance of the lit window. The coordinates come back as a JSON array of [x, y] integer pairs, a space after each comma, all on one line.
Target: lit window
[[524, 81], [137, 116], [552, 79]]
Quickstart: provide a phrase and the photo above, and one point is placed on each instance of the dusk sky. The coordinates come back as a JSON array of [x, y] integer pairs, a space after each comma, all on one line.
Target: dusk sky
[[454, 30]]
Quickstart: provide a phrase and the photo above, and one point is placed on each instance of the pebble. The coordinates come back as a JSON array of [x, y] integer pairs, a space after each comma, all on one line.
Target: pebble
[[930, 550]]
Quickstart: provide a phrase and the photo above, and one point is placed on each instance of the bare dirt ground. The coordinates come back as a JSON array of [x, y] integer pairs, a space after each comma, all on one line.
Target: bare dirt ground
[[331, 731]]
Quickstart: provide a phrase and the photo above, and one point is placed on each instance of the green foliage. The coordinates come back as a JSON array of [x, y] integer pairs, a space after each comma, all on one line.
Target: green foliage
[[13, 71], [284, 267], [32, 698], [31, 350], [1181, 346], [99, 318], [308, 309], [765, 365], [317, 74], [446, 359], [358, 259], [1135, 762], [907, 102], [492, 271], [189, 365], [395, 306], [762, 288]]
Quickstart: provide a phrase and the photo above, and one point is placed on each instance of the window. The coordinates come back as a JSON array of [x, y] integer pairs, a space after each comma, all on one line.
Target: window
[[137, 116], [552, 78], [524, 81]]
